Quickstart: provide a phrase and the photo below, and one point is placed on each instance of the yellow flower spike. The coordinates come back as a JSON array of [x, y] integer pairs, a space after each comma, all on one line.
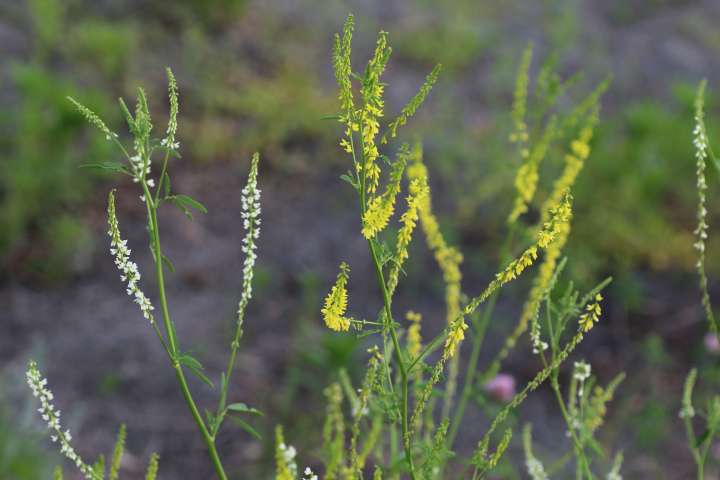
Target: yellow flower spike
[[373, 105], [447, 257], [454, 338], [591, 315], [527, 177], [335, 305], [381, 208], [414, 339], [418, 191]]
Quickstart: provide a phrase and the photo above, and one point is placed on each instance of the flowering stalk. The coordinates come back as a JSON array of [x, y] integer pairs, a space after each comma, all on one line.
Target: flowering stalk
[[139, 168], [51, 415], [251, 223]]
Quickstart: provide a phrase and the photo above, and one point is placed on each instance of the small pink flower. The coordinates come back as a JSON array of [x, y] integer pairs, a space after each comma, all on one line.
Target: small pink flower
[[712, 345], [501, 388]]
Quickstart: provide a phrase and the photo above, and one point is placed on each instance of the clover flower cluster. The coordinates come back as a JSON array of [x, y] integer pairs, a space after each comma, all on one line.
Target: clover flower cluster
[[51, 415], [408, 221], [581, 372], [538, 344], [382, 207], [169, 140], [591, 315], [446, 256], [701, 153], [128, 269], [702, 150], [309, 475], [94, 119], [140, 170], [285, 459], [251, 223], [414, 337], [333, 311], [535, 469]]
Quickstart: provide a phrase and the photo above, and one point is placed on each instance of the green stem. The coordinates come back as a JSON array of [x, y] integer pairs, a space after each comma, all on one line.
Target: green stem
[[478, 337], [209, 440]]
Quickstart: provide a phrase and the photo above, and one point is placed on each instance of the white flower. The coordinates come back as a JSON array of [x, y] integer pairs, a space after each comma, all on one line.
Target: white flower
[[250, 203], [128, 269], [51, 416], [309, 475]]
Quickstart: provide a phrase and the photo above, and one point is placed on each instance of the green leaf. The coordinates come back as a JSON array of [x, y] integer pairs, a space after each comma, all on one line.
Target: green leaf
[[345, 177], [331, 117], [195, 367], [186, 203], [165, 181], [128, 116], [246, 426], [108, 166], [166, 261], [242, 408], [702, 438]]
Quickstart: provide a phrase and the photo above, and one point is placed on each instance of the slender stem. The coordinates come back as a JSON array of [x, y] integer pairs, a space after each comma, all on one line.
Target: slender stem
[[401, 362], [209, 440], [479, 336], [582, 466], [480, 327]]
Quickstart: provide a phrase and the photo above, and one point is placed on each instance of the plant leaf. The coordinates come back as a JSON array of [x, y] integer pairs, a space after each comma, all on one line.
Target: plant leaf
[[195, 367], [108, 166], [246, 426], [242, 408]]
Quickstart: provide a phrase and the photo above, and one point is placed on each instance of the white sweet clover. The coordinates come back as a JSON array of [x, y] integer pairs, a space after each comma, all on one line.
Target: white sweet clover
[[169, 141], [581, 372], [251, 223], [51, 415], [94, 119], [538, 345], [535, 469], [289, 453], [128, 269], [701, 152], [614, 473]]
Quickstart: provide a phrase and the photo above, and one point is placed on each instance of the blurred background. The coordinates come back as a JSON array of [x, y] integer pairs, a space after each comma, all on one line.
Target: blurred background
[[256, 75]]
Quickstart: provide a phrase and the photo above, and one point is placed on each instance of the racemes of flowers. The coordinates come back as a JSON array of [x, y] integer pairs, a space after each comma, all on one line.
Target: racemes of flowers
[[154, 193], [128, 269], [400, 398], [40, 390]]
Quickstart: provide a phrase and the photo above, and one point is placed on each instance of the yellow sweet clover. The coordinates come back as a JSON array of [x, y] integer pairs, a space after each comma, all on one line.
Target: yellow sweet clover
[[447, 257], [414, 103], [527, 177], [335, 305], [591, 315], [408, 220], [414, 339], [559, 218], [520, 133], [382, 207], [343, 69], [574, 162], [373, 105], [455, 336]]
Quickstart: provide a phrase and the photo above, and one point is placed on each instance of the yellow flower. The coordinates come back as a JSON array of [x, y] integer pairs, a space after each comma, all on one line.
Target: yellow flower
[[418, 191], [591, 315], [381, 208], [414, 339], [447, 257], [454, 338], [335, 305]]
